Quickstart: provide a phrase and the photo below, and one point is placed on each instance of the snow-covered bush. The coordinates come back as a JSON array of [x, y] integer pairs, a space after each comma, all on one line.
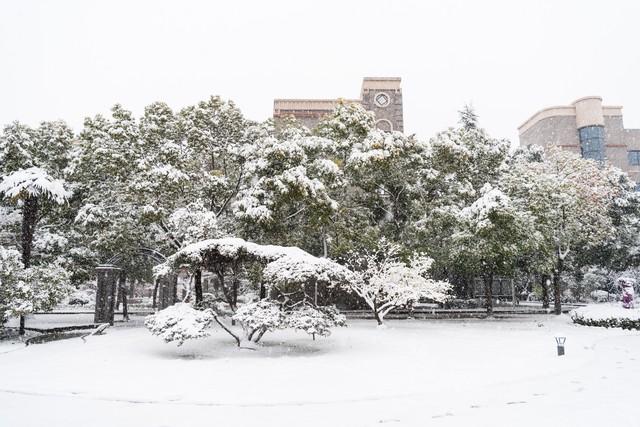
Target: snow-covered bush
[[607, 315], [600, 296], [260, 317], [81, 297], [315, 320], [180, 322]]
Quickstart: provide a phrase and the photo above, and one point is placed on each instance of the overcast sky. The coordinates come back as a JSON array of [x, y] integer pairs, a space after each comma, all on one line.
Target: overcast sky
[[69, 59]]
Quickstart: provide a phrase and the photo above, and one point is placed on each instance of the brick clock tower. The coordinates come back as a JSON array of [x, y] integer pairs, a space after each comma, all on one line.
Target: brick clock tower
[[381, 95]]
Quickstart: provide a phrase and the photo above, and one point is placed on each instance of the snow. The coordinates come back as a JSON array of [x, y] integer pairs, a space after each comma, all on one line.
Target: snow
[[306, 269], [232, 247], [607, 311], [261, 314], [34, 182], [180, 322], [413, 373], [492, 200], [287, 263]]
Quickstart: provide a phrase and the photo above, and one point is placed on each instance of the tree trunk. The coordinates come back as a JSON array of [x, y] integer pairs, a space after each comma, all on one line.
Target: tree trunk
[[235, 292], [488, 293], [325, 249], [376, 314], [557, 292], [174, 288], [378, 318], [197, 284], [155, 293], [123, 294], [118, 295], [229, 331], [545, 290], [234, 295], [315, 293], [29, 219], [260, 334]]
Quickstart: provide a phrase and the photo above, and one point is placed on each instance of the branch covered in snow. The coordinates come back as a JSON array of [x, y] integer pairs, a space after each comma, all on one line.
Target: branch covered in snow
[[33, 182]]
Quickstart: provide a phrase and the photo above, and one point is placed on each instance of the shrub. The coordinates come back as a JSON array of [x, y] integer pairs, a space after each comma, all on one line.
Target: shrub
[[607, 316]]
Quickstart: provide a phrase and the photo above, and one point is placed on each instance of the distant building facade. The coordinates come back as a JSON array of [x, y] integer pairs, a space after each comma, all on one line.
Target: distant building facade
[[381, 95], [588, 128]]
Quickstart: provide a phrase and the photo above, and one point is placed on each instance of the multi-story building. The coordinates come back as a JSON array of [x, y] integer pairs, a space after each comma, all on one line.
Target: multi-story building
[[588, 128], [381, 95]]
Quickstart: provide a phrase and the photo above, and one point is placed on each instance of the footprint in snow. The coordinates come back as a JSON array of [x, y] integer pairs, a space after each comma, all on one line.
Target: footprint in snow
[[447, 414]]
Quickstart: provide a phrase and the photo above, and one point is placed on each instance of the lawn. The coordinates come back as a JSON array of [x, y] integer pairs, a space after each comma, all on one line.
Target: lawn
[[422, 373]]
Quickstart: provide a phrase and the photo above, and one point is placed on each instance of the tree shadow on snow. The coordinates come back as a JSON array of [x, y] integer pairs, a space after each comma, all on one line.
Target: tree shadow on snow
[[216, 348]]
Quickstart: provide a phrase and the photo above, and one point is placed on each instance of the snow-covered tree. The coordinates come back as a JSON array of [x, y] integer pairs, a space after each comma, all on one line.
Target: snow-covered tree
[[570, 199], [622, 251], [386, 173], [285, 303], [108, 214], [27, 290], [459, 163], [385, 282], [468, 117], [220, 138], [30, 189], [289, 190], [163, 176], [32, 184], [492, 234], [349, 124]]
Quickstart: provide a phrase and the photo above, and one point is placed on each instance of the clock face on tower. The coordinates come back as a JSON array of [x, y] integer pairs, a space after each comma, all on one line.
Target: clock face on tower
[[382, 99]]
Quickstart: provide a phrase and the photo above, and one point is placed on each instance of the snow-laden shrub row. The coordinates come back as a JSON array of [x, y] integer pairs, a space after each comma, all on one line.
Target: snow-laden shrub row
[[607, 315]]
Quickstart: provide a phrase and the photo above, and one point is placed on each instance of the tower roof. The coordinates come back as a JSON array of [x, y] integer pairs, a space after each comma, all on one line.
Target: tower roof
[[384, 83]]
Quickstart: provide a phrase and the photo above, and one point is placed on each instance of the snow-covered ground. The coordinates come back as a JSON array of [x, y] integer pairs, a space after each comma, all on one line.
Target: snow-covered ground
[[417, 373]]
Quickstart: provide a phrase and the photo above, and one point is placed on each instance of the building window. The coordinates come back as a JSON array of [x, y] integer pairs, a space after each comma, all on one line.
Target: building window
[[592, 142], [634, 157], [382, 99]]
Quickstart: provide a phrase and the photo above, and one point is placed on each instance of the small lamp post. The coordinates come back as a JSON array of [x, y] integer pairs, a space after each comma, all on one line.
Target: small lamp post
[[560, 342]]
